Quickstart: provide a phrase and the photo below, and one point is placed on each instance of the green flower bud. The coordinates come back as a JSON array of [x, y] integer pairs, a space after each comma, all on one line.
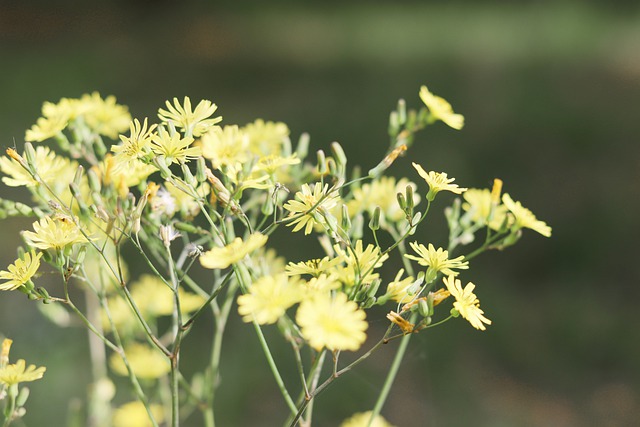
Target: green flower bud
[[374, 223], [338, 154], [94, 181], [402, 111], [303, 146], [345, 222], [409, 200], [322, 163], [201, 170], [30, 154], [23, 395]]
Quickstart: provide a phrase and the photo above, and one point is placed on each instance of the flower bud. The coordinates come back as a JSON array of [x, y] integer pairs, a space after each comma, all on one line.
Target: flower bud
[[374, 223], [409, 200], [30, 154], [322, 163], [345, 222], [402, 112], [338, 154], [201, 174], [303, 146]]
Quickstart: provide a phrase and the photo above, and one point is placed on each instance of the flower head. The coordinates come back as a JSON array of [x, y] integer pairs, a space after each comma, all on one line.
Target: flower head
[[268, 298], [438, 181], [266, 138], [402, 290], [233, 252], [103, 116], [524, 217], [51, 169], [314, 267], [483, 209], [192, 122], [134, 414], [440, 109], [226, 146], [174, 148], [467, 304], [360, 263], [54, 232], [19, 373], [145, 361], [137, 144], [47, 127], [437, 260], [310, 206], [20, 272], [361, 419], [332, 322]]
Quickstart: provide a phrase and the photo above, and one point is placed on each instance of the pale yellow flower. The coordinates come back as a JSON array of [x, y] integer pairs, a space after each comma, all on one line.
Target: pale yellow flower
[[184, 202], [314, 267], [310, 206], [134, 414], [402, 290], [233, 252], [360, 263], [47, 127], [135, 146], [174, 148], [192, 122], [19, 373], [225, 146], [54, 232], [322, 284], [266, 138], [437, 260], [524, 217], [103, 116], [483, 209], [154, 298], [440, 109], [438, 181], [20, 272], [145, 361], [332, 322], [381, 193], [467, 304], [268, 298], [271, 163], [53, 170], [361, 419]]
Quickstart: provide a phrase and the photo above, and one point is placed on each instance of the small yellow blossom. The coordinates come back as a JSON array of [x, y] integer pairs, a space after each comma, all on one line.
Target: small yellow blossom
[[524, 217], [227, 146], [360, 263], [361, 419], [47, 127], [482, 208], [381, 193], [233, 252], [437, 260], [438, 181], [19, 373], [271, 163], [20, 272], [402, 290], [467, 304], [440, 109], [174, 148], [314, 267], [268, 299], [145, 361], [322, 284], [266, 138], [311, 206], [332, 322], [193, 122], [103, 116], [134, 414], [54, 233], [51, 169], [136, 145]]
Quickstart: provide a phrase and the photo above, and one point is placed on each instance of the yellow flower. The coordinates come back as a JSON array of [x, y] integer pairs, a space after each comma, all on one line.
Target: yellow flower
[[314, 267], [233, 252], [361, 419], [20, 272], [438, 181], [136, 145], [322, 284], [103, 116], [360, 263], [436, 260], [467, 304], [402, 291], [174, 148], [483, 209], [192, 122], [268, 299], [52, 170], [272, 162], [524, 217], [146, 362], [383, 193], [19, 373], [134, 414], [154, 298], [54, 233], [440, 109], [47, 127], [332, 322], [225, 146], [266, 138], [311, 206]]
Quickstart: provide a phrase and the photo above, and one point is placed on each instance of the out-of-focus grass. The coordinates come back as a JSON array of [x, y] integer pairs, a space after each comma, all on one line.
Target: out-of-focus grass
[[550, 92]]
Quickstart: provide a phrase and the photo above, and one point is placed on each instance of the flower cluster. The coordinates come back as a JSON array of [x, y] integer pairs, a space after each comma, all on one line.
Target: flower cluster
[[200, 204]]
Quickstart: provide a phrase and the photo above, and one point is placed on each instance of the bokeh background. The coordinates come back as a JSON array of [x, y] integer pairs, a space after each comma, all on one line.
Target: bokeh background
[[550, 91]]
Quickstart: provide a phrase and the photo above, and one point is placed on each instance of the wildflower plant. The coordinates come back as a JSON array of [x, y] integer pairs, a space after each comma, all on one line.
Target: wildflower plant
[[197, 203]]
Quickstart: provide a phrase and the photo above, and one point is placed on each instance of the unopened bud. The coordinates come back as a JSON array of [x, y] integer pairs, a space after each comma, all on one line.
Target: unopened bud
[[303, 146], [345, 222], [201, 174], [338, 154], [374, 223], [322, 163]]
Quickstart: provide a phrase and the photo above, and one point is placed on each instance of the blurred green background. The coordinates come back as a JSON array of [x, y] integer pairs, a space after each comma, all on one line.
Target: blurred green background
[[550, 91]]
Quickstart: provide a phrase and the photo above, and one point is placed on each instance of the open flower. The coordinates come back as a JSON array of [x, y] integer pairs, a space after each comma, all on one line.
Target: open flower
[[193, 122], [20, 373], [268, 298], [437, 259], [310, 206], [174, 148], [145, 361], [233, 252], [438, 181], [54, 233], [524, 217], [134, 414], [440, 109], [483, 209], [332, 322], [467, 304], [136, 145], [20, 272]]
